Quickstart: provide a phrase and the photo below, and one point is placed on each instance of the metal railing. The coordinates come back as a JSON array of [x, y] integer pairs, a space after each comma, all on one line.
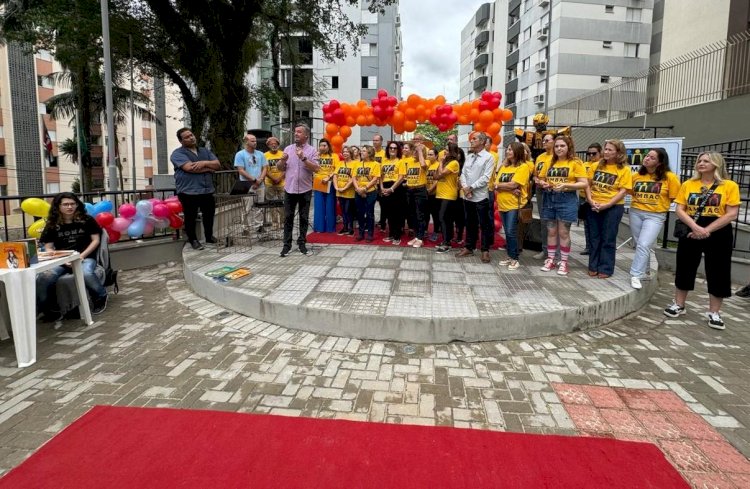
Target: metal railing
[[715, 72]]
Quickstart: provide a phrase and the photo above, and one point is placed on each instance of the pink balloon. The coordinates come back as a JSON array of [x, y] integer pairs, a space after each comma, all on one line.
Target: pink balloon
[[161, 210], [127, 211], [120, 224], [148, 228], [154, 201]]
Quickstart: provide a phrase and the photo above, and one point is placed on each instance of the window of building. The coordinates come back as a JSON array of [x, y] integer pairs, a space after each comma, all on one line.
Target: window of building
[[3, 190], [2, 161], [525, 65], [2, 132], [602, 114], [148, 163], [333, 82], [369, 49], [370, 82], [524, 94], [631, 50], [52, 163], [512, 73], [96, 161], [633, 14], [98, 183], [44, 54], [369, 17], [45, 81], [604, 79], [512, 46], [526, 34], [53, 188], [42, 107], [146, 143], [542, 54], [52, 135], [609, 9], [540, 87], [607, 44]]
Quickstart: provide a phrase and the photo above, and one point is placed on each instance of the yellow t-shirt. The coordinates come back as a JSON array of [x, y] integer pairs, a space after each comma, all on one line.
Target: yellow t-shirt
[[380, 156], [327, 164], [726, 193], [506, 201], [447, 187], [412, 171], [607, 180], [389, 170], [541, 161], [272, 158], [431, 170], [564, 171], [344, 172], [651, 195], [365, 172], [587, 167]]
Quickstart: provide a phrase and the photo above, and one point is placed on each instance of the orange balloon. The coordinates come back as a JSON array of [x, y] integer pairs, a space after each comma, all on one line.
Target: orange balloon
[[474, 114], [494, 148], [361, 120], [354, 112], [332, 128], [507, 115], [498, 113], [463, 119], [410, 125], [398, 128], [351, 121], [475, 104], [345, 131], [370, 120], [402, 105], [440, 100], [362, 104], [421, 112], [497, 139], [494, 128], [337, 140], [486, 117], [398, 117], [411, 114], [413, 100], [478, 126]]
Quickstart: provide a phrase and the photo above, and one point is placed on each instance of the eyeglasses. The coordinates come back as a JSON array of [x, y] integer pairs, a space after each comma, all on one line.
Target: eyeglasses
[[68, 204], [394, 147], [592, 154]]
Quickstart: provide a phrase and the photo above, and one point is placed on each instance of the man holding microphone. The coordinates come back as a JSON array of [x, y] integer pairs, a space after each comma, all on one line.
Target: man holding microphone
[[300, 161]]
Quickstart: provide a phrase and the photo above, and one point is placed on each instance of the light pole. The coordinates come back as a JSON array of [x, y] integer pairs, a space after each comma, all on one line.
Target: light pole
[[111, 163]]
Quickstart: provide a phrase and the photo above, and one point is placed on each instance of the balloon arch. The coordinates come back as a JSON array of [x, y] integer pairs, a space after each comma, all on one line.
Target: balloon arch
[[484, 113]]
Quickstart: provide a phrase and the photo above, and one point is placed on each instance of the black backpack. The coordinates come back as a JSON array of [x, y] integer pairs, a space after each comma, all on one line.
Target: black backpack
[[110, 278]]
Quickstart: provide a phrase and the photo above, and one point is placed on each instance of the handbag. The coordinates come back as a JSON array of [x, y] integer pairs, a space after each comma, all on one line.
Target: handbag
[[241, 187], [524, 213], [681, 230]]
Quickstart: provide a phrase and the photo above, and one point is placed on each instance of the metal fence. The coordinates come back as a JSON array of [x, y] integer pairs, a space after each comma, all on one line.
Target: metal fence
[[714, 72]]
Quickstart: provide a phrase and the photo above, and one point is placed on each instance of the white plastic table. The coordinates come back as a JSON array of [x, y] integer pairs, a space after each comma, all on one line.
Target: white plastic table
[[20, 292]]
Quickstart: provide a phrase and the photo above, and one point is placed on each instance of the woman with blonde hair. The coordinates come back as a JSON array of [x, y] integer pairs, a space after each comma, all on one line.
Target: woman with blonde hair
[[344, 185], [609, 180], [511, 188], [559, 180], [706, 205], [366, 176]]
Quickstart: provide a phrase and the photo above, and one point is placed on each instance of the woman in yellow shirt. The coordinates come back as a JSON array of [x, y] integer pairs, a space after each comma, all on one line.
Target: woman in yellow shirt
[[654, 189], [560, 180], [709, 230], [414, 172], [512, 193], [324, 203], [344, 185], [609, 180], [392, 197], [366, 176], [433, 206], [446, 194]]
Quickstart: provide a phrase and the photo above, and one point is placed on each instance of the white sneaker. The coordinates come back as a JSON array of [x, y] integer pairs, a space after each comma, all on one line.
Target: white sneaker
[[549, 264], [513, 265], [506, 262], [635, 282], [715, 321], [417, 243], [411, 242]]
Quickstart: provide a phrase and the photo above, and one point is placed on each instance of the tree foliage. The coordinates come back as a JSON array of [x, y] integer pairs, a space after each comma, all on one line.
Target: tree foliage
[[435, 135]]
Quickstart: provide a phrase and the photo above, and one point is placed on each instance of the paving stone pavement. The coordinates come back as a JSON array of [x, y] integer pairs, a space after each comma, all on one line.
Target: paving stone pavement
[[158, 344]]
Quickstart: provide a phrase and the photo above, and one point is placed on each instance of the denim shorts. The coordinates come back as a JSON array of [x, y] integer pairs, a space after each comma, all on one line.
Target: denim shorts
[[560, 206]]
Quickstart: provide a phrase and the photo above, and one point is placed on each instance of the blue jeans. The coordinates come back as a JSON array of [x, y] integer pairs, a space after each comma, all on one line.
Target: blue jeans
[[366, 213], [324, 213], [645, 227], [346, 213], [510, 225], [47, 280], [603, 227]]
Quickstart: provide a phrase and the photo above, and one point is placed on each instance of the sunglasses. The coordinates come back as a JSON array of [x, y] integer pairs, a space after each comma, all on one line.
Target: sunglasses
[[393, 147], [592, 154]]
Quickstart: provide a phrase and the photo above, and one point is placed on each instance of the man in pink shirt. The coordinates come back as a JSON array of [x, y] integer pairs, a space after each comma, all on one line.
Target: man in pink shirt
[[300, 161]]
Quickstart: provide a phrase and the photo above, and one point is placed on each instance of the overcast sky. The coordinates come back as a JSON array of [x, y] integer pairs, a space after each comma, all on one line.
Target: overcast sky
[[431, 36]]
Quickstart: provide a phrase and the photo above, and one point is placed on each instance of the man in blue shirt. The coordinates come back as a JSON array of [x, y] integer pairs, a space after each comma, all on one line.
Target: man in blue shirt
[[194, 185], [252, 167]]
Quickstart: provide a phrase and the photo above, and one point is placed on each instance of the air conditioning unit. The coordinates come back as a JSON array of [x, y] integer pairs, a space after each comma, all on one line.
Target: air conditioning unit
[[398, 20], [396, 76], [542, 33], [541, 67], [539, 99], [543, 3]]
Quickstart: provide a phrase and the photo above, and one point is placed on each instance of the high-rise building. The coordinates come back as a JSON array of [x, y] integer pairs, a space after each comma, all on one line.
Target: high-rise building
[[375, 65], [567, 48], [30, 159]]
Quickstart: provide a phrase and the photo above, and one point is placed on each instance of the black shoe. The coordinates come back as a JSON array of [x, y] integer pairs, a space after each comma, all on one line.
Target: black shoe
[[585, 252], [50, 316], [744, 291], [99, 305], [303, 249], [212, 240], [285, 251], [342, 232], [196, 245]]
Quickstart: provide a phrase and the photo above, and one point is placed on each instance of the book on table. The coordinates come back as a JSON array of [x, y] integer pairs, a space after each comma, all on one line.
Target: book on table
[[51, 255], [18, 254]]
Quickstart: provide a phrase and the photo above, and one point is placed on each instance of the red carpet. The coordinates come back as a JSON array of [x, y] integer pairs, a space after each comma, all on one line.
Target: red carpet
[[119, 447], [333, 238]]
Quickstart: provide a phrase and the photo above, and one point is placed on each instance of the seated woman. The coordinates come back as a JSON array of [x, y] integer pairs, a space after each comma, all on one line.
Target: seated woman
[[70, 228]]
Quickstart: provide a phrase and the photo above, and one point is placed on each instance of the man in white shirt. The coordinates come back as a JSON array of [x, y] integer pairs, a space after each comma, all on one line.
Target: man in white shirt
[[474, 179]]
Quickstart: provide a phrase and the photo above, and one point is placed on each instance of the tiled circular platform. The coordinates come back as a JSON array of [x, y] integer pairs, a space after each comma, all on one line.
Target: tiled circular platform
[[414, 295]]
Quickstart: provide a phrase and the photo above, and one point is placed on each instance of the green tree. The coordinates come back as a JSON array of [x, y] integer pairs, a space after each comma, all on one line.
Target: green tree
[[435, 135]]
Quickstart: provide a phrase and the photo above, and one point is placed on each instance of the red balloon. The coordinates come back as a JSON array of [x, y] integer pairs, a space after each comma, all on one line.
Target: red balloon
[[484, 105], [104, 219], [334, 104], [392, 101], [498, 224], [174, 206], [326, 108], [382, 93], [175, 222], [114, 236]]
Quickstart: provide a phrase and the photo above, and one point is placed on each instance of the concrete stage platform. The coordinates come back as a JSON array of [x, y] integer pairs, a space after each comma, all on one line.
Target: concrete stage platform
[[415, 295]]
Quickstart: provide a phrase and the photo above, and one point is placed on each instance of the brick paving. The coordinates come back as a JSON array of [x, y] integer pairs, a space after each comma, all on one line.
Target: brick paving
[[158, 344]]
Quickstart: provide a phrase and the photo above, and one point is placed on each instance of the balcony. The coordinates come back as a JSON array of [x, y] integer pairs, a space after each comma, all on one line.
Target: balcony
[[481, 60], [480, 83], [483, 14], [482, 39]]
